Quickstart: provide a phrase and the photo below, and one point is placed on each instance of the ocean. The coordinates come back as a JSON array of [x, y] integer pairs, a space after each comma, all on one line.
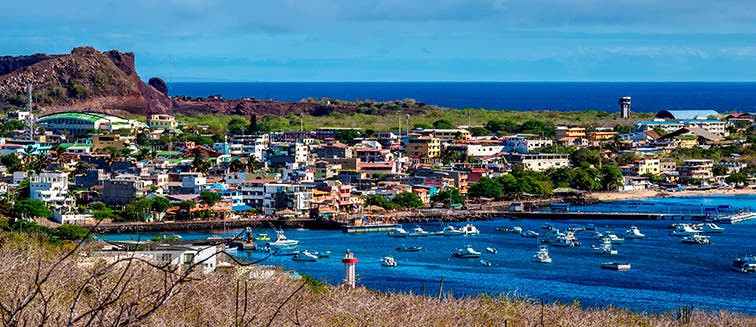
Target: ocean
[[665, 274], [560, 96]]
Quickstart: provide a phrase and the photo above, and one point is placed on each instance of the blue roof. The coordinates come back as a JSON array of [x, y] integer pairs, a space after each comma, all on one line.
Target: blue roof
[[701, 121], [685, 114]]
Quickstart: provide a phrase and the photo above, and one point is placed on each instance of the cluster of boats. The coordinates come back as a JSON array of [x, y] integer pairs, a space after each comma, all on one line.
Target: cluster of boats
[[448, 230], [693, 233]]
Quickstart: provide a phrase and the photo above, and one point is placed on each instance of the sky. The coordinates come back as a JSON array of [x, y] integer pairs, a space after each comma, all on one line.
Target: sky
[[400, 40]]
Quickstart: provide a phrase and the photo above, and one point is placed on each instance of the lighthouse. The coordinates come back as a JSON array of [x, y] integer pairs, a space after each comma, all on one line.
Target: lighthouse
[[349, 261]]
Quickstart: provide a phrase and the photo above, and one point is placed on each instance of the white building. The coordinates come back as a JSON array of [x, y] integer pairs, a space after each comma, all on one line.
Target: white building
[[524, 144], [201, 257], [193, 183], [540, 161], [50, 188], [282, 196]]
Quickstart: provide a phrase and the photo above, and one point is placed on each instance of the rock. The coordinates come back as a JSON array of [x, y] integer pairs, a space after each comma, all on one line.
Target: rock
[[159, 84]]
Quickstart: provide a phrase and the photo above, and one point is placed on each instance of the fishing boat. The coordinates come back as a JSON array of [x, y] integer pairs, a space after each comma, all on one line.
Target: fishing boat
[[683, 230], [485, 263], [542, 255], [388, 262], [469, 229], [745, 264], [492, 250], [604, 248], [634, 233], [282, 242], [405, 248], [418, 231], [529, 234], [616, 266], [696, 239], [304, 256], [262, 237], [398, 232], [466, 252]]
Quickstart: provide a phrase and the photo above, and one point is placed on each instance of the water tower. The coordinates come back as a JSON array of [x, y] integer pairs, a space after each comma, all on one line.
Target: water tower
[[624, 103], [349, 276]]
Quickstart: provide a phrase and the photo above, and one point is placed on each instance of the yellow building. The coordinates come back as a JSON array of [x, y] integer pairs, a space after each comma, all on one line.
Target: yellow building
[[157, 121], [423, 147], [647, 166], [686, 141]]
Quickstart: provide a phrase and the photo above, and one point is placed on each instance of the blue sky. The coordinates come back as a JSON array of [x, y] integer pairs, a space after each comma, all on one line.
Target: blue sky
[[400, 40]]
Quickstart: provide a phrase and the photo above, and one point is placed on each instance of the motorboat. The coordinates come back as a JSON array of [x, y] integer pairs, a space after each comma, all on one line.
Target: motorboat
[[305, 256], [710, 228], [466, 252], [548, 226], [613, 237], [283, 242], [683, 230], [485, 262], [262, 237], [542, 255], [388, 262], [598, 235], [516, 230], [529, 234], [405, 248], [557, 238], [418, 231], [745, 264], [231, 249], [696, 239], [285, 252], [503, 229], [450, 230], [492, 250], [616, 266], [324, 254], [604, 248], [469, 229], [398, 232], [634, 233]]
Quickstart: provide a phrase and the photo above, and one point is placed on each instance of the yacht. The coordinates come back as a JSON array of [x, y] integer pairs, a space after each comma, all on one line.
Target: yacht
[[305, 256], [710, 228], [398, 232], [450, 230], [516, 229], [683, 230], [696, 239], [529, 234], [613, 237], [283, 242], [405, 248], [542, 255], [388, 262], [745, 264], [466, 252], [634, 233], [418, 231], [604, 248], [557, 238], [469, 229]]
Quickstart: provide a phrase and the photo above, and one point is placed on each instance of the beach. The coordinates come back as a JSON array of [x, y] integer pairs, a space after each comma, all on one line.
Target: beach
[[645, 194]]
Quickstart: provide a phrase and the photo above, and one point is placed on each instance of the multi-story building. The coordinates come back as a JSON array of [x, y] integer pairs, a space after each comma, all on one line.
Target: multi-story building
[[526, 144], [540, 161], [158, 121], [477, 148], [91, 178], [446, 135], [696, 169], [713, 126], [423, 147], [647, 166], [333, 150], [564, 131], [50, 188], [100, 142], [124, 189], [285, 196]]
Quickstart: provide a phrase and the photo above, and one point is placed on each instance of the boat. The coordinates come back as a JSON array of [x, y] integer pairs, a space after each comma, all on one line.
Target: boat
[[492, 250], [285, 252], [696, 239], [613, 237], [542, 255], [598, 235], [710, 228], [469, 229], [557, 238], [745, 264], [325, 254], [634, 233], [466, 252], [418, 231], [516, 230], [683, 230], [590, 227], [231, 249], [548, 226], [485, 262], [405, 248], [450, 230], [529, 234], [388, 262], [503, 229], [212, 237], [282, 242], [262, 237], [615, 266], [398, 232], [304, 256], [604, 248]]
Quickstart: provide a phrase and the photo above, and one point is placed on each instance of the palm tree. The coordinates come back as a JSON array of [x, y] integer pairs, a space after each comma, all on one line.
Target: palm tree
[[253, 164], [236, 165]]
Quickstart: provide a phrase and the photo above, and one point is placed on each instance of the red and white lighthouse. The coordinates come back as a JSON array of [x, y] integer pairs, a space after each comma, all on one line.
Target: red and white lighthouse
[[349, 261]]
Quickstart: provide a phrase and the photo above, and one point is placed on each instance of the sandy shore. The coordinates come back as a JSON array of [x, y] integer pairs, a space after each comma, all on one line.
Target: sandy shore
[[645, 194]]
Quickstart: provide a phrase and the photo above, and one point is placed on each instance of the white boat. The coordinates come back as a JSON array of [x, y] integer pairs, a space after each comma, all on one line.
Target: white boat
[[231, 249], [388, 262], [398, 232], [283, 242], [683, 230], [598, 235], [634, 233], [529, 234], [745, 264], [325, 254], [696, 239], [305, 256], [485, 262], [557, 238], [616, 266], [413, 248], [613, 237], [418, 231], [548, 226], [604, 248], [516, 229], [469, 229], [466, 252], [492, 250], [542, 255], [450, 230], [710, 228]]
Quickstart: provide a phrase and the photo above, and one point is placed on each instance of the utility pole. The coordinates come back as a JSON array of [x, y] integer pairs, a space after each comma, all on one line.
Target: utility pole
[[29, 120]]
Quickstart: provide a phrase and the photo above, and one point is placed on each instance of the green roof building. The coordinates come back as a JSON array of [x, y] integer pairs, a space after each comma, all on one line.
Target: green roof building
[[75, 123]]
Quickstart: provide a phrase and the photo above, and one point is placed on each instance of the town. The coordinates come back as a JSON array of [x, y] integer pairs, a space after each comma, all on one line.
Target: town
[[84, 167]]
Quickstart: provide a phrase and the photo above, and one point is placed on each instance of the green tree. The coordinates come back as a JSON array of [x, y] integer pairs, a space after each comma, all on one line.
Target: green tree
[[252, 127], [161, 204], [737, 179], [486, 188], [210, 197], [69, 232], [421, 126], [537, 127], [582, 179], [719, 170], [347, 135], [31, 209], [237, 125], [443, 124], [23, 191], [501, 126], [407, 200], [611, 176], [138, 209], [12, 162], [453, 156], [582, 157], [450, 194], [201, 165], [378, 200], [479, 131], [236, 165]]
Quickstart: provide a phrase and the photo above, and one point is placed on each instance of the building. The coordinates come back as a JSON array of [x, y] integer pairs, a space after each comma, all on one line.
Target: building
[[446, 135], [564, 131], [162, 121], [279, 197], [100, 142], [540, 161], [124, 189], [50, 188], [91, 177], [647, 166], [423, 147], [713, 126], [624, 103], [696, 169], [526, 144], [77, 123], [333, 150], [686, 114]]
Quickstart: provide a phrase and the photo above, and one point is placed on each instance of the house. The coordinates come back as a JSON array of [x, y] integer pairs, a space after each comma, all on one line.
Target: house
[[526, 143], [647, 166], [50, 188], [564, 131], [202, 258], [124, 189], [540, 161], [90, 178], [423, 147], [696, 169], [162, 121]]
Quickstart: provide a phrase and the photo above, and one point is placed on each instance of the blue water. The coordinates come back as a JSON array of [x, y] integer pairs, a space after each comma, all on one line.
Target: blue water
[[647, 97], [665, 275]]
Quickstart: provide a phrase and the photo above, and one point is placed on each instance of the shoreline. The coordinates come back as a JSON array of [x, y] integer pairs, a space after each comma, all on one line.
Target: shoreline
[[647, 194]]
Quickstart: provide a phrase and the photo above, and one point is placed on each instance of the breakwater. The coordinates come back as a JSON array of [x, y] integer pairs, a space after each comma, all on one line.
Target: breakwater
[[177, 226]]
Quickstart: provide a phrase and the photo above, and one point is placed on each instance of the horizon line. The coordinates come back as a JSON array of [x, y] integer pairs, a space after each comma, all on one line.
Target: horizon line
[[463, 81]]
